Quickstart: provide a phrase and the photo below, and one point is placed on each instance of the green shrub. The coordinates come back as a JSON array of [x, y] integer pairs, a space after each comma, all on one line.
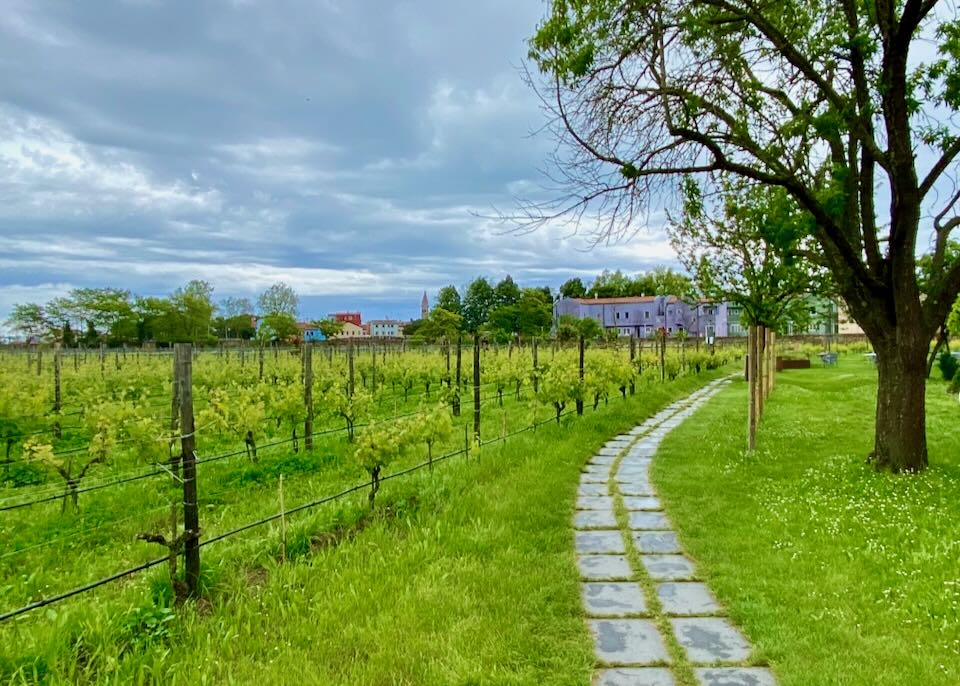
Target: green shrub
[[948, 365]]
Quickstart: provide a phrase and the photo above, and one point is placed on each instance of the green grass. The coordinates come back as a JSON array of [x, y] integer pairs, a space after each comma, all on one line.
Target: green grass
[[839, 575], [465, 575]]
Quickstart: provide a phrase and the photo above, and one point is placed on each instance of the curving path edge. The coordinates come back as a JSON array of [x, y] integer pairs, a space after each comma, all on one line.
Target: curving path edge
[[650, 616]]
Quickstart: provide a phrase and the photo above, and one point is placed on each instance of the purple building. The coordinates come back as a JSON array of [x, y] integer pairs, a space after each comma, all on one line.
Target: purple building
[[642, 316]]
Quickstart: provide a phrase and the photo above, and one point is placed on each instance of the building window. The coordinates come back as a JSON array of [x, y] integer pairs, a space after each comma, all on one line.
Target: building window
[[626, 315], [646, 315], [618, 315], [669, 329]]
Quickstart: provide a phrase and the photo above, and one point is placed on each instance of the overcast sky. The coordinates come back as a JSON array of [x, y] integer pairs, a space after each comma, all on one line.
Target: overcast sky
[[343, 146]]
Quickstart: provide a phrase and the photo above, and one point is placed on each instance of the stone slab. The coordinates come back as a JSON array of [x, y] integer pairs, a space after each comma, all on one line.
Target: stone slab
[[668, 567], [610, 451], [734, 676], [627, 642], [687, 598], [636, 489], [599, 542], [588, 478], [710, 639], [603, 469], [634, 676], [613, 599], [648, 521], [594, 502], [603, 459], [604, 567], [592, 489], [641, 503], [656, 542], [594, 519]]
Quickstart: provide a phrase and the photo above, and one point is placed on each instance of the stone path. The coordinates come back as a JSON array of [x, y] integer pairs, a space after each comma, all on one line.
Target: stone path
[[643, 601]]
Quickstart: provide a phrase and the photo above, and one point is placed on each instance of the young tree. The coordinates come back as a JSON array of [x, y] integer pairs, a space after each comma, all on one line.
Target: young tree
[[449, 299], [279, 299], [30, 319], [477, 303], [746, 246], [826, 100], [441, 324], [506, 293], [573, 288], [329, 327]]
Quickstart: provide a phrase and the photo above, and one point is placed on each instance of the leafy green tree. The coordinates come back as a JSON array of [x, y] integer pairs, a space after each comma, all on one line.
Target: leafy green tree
[[449, 299], [30, 319], [441, 324], [506, 293], [234, 307], [841, 104], [279, 326], [279, 299], [589, 328], [413, 328], [609, 285], [573, 288], [534, 312], [477, 303]]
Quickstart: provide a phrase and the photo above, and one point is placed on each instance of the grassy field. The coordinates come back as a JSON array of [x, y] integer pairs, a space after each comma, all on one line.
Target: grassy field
[[838, 574], [465, 575]]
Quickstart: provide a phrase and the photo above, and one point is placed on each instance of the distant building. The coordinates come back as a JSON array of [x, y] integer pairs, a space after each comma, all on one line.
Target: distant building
[[845, 323], [641, 316], [424, 306], [347, 317], [351, 330], [386, 328], [309, 332]]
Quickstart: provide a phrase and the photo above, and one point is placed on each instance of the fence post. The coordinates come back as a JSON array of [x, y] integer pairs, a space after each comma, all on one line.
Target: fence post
[[56, 389], [350, 386], [373, 368], [175, 423], [39, 361], [580, 399], [191, 512], [456, 396], [536, 377], [103, 359], [751, 374], [308, 395], [476, 385]]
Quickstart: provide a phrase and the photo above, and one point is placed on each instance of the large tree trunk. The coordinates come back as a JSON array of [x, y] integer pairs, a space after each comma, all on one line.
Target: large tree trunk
[[901, 438]]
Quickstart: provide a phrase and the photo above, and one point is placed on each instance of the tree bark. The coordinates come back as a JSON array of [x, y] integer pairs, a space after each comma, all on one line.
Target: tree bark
[[901, 438]]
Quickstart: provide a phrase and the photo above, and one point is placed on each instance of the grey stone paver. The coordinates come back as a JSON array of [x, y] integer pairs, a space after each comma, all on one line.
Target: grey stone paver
[[662, 543], [648, 521], [634, 676], [604, 567], [599, 542], [710, 639], [603, 459], [610, 451], [594, 502], [668, 567], [641, 503], [636, 489], [687, 598], [628, 642], [734, 676], [592, 489], [594, 519], [613, 599], [594, 478]]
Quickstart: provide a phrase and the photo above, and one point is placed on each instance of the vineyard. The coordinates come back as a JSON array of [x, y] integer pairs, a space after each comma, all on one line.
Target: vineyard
[[92, 480]]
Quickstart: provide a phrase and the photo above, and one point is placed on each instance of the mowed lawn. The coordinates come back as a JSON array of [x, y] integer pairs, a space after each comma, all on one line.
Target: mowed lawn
[[838, 574]]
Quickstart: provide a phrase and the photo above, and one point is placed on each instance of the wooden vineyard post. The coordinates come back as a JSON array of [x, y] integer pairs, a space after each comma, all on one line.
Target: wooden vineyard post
[[191, 513], [476, 386], [103, 360], [175, 425], [373, 368], [580, 394], [57, 404], [260, 360], [536, 376], [39, 361], [350, 385], [446, 354], [752, 387], [662, 340], [308, 396], [773, 360], [633, 357], [456, 395]]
